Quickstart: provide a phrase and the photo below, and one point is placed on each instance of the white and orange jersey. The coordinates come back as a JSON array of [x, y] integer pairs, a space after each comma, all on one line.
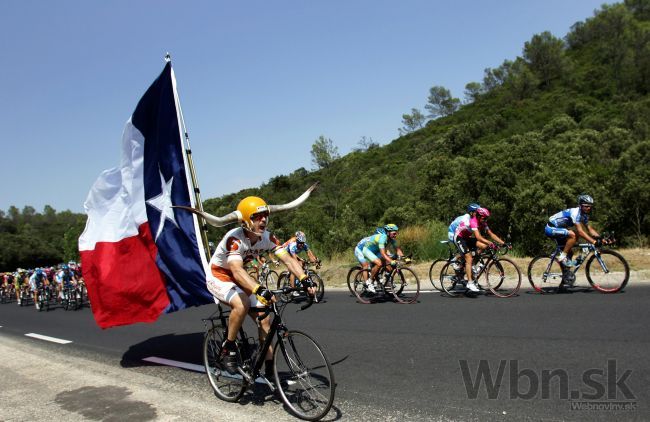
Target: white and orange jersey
[[235, 246]]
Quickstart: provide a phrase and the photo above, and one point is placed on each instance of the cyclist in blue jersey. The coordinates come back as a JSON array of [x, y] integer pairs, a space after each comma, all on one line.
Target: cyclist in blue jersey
[[294, 246], [559, 224], [471, 212], [372, 249], [36, 281]]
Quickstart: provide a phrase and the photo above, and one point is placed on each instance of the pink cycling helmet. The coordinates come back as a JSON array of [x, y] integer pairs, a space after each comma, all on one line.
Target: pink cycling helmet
[[483, 212]]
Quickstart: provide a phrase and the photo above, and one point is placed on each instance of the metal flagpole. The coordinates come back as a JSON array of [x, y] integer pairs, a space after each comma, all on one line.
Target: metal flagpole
[[190, 162]]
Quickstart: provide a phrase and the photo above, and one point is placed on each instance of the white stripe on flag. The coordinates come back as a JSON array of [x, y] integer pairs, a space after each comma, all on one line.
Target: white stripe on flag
[[48, 338]]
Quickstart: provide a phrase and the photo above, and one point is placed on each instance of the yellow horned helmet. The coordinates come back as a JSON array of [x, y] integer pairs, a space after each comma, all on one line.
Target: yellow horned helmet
[[250, 206]]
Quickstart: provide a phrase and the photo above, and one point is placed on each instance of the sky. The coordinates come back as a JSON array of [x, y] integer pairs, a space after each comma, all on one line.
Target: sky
[[258, 81]]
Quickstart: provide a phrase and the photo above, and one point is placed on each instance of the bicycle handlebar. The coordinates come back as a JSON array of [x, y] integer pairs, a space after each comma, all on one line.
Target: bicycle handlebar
[[287, 290]]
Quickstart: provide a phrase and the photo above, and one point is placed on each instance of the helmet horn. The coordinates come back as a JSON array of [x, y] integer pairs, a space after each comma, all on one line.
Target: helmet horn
[[215, 221], [295, 203], [236, 215]]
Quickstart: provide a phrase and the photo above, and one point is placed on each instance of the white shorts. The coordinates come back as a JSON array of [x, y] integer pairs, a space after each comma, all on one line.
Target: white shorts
[[224, 291]]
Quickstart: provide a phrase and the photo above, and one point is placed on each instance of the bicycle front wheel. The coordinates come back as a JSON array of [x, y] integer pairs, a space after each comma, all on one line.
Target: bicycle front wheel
[[544, 274], [351, 277], [303, 376], [271, 280], [434, 273], [608, 272], [406, 286], [503, 278], [226, 386]]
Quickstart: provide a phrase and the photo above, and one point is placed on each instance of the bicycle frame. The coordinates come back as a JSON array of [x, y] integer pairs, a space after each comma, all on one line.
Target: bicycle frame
[[254, 359]]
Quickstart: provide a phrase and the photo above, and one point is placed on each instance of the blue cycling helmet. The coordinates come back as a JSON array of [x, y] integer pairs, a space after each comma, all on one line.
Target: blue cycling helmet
[[585, 200], [473, 207], [391, 227], [300, 237], [39, 271], [65, 267]]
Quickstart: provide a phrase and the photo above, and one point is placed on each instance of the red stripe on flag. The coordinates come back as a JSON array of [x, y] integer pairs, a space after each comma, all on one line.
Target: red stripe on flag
[[124, 283]]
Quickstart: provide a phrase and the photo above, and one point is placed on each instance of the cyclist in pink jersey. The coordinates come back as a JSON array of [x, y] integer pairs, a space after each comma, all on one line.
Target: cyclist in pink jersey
[[469, 236]]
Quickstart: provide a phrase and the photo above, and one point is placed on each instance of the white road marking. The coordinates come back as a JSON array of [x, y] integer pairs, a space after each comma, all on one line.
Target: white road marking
[[47, 338], [169, 362]]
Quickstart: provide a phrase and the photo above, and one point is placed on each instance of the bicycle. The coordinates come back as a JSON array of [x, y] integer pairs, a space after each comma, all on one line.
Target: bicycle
[[607, 271], [319, 284], [400, 282], [438, 264], [502, 277], [265, 275], [72, 298], [44, 298], [302, 373]]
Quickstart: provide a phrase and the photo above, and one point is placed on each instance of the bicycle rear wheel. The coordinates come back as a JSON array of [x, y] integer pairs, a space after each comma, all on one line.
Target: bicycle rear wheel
[[362, 294], [434, 273], [320, 285], [503, 278], [608, 273], [450, 281], [406, 285], [544, 274], [226, 386], [303, 375]]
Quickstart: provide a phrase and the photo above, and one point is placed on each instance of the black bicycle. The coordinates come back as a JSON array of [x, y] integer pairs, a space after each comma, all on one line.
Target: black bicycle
[[398, 282], [491, 272], [302, 373], [319, 285], [72, 298], [606, 270], [265, 275]]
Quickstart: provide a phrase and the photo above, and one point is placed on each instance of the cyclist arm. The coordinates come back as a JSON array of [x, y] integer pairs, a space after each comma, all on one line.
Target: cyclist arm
[[242, 278], [580, 228], [494, 237], [479, 238], [312, 257], [385, 255], [290, 262]]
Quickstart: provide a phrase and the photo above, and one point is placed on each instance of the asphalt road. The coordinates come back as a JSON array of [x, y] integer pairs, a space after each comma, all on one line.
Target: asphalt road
[[577, 356]]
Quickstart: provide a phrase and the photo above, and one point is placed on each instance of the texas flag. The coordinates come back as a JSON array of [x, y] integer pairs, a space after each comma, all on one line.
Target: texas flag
[[139, 257]]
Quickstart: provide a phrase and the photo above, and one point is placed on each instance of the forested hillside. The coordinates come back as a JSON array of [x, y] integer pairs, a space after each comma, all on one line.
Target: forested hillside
[[568, 116]]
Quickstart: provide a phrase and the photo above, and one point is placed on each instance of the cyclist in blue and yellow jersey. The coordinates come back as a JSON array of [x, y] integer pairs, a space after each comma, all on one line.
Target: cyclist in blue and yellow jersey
[[372, 249], [559, 224], [21, 283], [294, 246]]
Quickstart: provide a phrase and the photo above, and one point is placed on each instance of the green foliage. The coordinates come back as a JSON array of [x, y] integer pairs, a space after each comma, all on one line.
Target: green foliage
[[30, 239], [323, 152], [564, 119]]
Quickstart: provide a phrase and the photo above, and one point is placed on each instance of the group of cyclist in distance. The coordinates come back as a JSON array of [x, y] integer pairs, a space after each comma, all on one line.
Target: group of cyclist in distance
[[32, 280]]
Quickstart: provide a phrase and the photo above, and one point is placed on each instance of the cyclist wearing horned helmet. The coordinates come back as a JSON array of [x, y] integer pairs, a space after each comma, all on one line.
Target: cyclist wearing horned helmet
[[228, 280], [373, 249], [469, 235], [559, 224]]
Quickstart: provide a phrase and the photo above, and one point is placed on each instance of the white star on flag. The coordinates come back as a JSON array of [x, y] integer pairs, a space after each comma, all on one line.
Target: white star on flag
[[163, 203]]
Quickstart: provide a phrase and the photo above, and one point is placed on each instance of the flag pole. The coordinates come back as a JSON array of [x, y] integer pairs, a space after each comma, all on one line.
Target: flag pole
[[188, 154]]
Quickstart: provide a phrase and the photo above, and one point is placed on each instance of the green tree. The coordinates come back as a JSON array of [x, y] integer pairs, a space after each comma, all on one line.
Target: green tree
[[472, 92], [323, 152], [545, 55], [412, 122], [440, 103]]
